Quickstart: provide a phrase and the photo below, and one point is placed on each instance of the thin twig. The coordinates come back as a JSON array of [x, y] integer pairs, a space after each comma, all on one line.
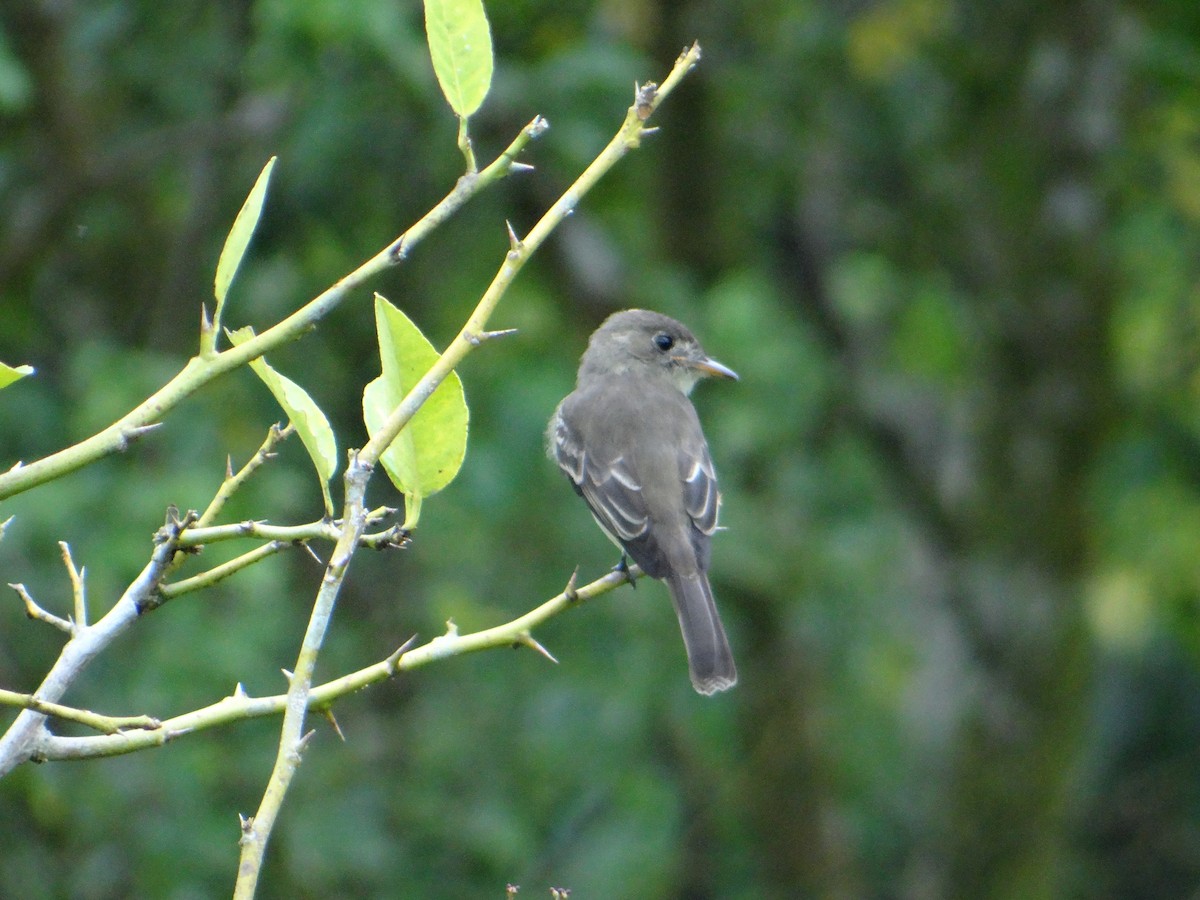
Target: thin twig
[[220, 572], [275, 435], [35, 612], [96, 721], [78, 591]]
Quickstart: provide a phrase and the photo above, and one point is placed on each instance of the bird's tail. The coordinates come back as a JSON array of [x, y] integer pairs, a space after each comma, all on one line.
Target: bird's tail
[[709, 657]]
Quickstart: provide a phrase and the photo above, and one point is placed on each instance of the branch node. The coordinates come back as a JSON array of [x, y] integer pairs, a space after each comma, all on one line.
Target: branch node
[[392, 663], [332, 719], [208, 337], [375, 516], [174, 525], [302, 744], [529, 641], [78, 591], [133, 433], [398, 252], [400, 537], [36, 613], [136, 723], [475, 338], [569, 591], [645, 98], [515, 244]]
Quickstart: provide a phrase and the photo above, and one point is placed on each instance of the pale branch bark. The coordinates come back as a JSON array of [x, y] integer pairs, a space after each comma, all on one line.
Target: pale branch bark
[[96, 721], [120, 735], [85, 641], [220, 572], [323, 530], [16, 746], [233, 482]]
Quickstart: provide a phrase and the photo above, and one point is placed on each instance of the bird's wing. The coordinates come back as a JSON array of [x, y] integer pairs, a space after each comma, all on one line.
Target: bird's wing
[[701, 498], [611, 491]]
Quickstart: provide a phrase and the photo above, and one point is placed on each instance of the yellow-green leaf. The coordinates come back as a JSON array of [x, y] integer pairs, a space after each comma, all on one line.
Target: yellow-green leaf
[[310, 423], [9, 374], [428, 453], [239, 237], [460, 45]]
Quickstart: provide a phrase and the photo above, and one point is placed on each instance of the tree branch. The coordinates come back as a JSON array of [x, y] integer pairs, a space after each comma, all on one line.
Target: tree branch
[[95, 721], [256, 831], [199, 371], [143, 594], [130, 734], [16, 746]]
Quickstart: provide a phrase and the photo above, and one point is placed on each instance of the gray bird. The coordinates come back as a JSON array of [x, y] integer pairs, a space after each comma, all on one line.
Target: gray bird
[[629, 440]]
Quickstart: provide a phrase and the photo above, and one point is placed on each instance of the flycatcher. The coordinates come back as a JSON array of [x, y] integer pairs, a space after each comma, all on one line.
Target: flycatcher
[[629, 439]]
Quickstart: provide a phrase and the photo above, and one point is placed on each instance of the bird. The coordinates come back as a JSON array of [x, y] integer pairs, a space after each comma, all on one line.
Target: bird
[[630, 442]]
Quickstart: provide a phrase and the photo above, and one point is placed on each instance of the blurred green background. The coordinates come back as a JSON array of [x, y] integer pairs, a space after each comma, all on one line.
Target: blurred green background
[[952, 250]]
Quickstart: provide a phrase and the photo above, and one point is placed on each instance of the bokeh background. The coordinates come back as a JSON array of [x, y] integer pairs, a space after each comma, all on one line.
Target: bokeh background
[[952, 249]]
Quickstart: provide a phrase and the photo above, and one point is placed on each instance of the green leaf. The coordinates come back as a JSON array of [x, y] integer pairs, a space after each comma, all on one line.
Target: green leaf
[[239, 237], [460, 44], [428, 453], [9, 374], [310, 423]]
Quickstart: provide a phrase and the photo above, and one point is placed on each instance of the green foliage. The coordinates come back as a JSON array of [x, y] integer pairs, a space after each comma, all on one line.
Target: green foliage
[[428, 453], [460, 44], [239, 237], [9, 374], [302, 411]]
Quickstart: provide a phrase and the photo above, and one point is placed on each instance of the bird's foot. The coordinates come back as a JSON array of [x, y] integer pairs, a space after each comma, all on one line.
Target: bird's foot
[[623, 568]]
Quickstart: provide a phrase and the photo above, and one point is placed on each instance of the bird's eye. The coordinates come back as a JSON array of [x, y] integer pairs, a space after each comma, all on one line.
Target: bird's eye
[[664, 341]]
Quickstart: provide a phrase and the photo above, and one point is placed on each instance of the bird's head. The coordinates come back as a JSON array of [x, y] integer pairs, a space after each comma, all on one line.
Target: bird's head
[[641, 342]]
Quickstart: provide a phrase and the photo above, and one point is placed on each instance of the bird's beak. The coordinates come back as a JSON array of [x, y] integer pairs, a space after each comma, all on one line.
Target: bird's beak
[[709, 366]]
